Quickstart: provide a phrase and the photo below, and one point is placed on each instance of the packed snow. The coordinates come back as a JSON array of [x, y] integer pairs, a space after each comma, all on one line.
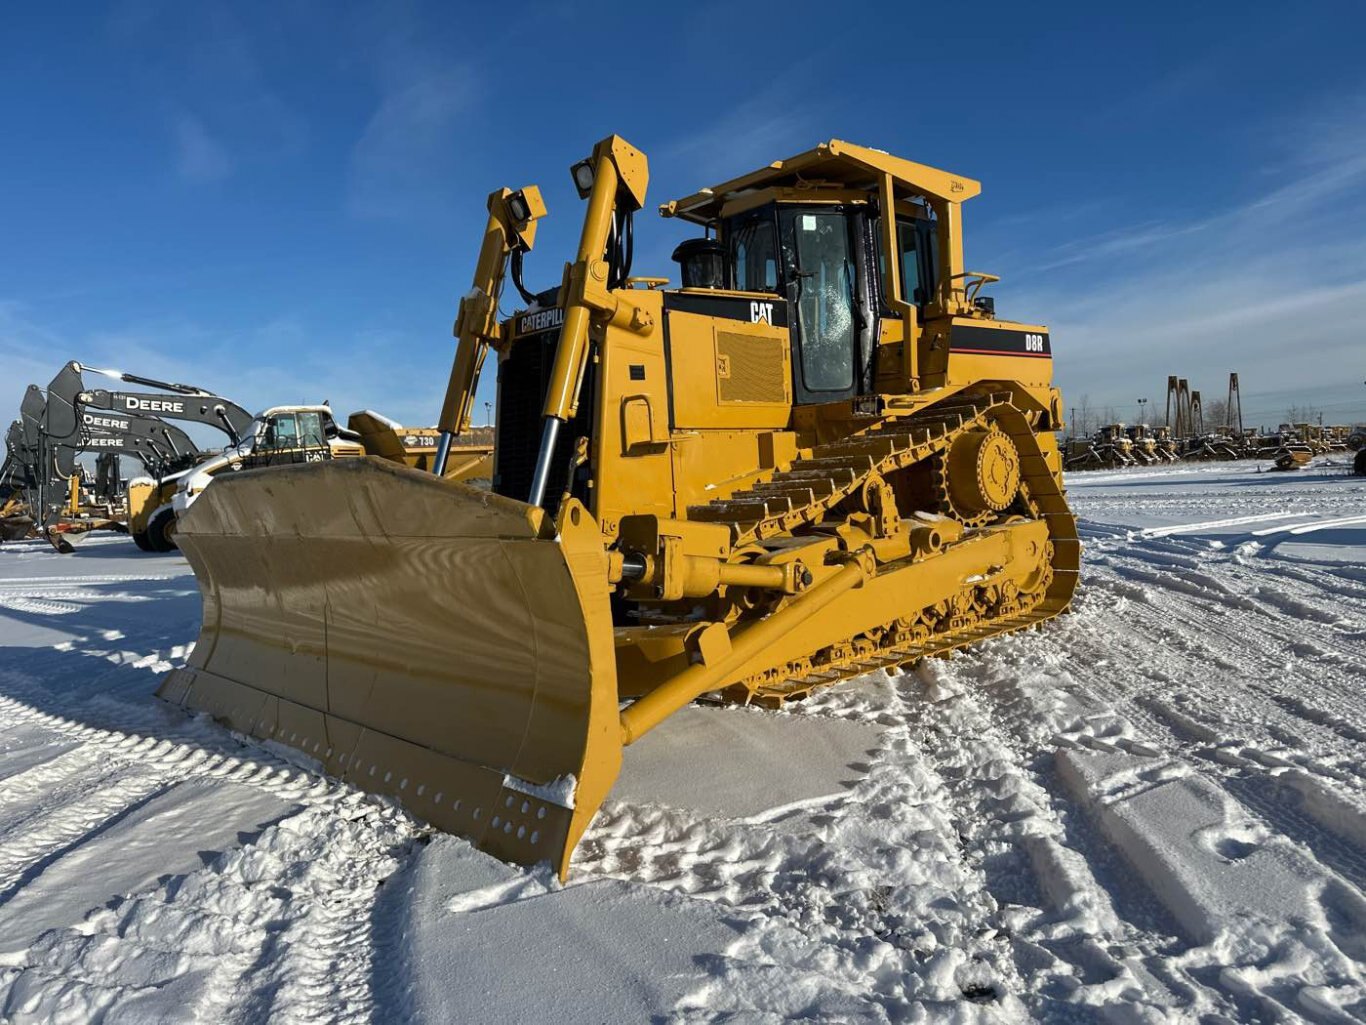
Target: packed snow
[[1151, 810]]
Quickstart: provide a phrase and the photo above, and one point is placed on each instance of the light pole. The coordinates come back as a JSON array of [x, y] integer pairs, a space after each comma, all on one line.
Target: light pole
[[1142, 404], [488, 414]]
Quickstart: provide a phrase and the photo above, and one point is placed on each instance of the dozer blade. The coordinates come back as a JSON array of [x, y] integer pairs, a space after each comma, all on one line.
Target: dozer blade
[[15, 528], [65, 535], [417, 637]]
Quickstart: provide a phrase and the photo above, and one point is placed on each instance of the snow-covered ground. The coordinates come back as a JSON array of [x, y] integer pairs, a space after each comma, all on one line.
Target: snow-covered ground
[[1151, 810]]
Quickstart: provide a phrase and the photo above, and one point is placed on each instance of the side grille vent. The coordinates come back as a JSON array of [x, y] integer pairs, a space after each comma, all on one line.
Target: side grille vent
[[751, 369]]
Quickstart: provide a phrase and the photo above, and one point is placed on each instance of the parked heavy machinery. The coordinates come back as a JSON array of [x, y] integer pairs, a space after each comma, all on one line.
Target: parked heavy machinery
[[1293, 455], [1144, 447], [77, 419], [15, 521], [108, 484], [1167, 447], [1108, 449], [162, 449], [281, 435], [285, 435], [1337, 436], [469, 455], [824, 454], [16, 479], [1210, 448], [183, 402], [1266, 446]]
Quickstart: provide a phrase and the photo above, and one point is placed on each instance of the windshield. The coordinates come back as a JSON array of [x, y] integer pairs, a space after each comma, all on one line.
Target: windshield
[[282, 431]]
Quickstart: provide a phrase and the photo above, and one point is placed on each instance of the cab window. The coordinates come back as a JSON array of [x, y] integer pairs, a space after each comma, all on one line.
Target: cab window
[[919, 258], [753, 243], [282, 432], [919, 253], [311, 430]]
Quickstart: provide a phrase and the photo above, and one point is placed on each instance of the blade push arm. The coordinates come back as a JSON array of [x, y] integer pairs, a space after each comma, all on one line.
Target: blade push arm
[[511, 228], [613, 178]]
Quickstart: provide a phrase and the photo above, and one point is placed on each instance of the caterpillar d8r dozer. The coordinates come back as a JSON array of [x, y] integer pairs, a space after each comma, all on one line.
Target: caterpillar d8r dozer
[[823, 454]]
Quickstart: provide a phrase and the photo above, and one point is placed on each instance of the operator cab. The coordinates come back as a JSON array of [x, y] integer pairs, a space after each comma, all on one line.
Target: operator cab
[[300, 434], [824, 259], [293, 430]]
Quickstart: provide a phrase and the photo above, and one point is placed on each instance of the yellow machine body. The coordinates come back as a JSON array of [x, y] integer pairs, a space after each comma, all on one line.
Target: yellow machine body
[[416, 446], [144, 497], [676, 510], [16, 523]]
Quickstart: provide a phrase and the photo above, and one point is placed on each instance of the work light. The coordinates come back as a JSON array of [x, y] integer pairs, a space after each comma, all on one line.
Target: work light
[[517, 207], [583, 177]]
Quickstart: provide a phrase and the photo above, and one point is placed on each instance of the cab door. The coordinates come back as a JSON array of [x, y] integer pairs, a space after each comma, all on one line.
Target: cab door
[[822, 247]]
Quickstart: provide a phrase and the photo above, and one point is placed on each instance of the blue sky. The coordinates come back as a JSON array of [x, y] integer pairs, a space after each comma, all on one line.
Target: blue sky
[[282, 200]]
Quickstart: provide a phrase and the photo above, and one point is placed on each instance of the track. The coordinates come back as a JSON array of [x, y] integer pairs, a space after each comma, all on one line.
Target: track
[[1152, 809]]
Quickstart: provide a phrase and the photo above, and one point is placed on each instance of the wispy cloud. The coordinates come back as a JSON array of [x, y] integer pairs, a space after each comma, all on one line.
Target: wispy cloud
[[1273, 287], [768, 126], [1114, 243], [223, 111], [418, 134], [408, 142], [199, 156]]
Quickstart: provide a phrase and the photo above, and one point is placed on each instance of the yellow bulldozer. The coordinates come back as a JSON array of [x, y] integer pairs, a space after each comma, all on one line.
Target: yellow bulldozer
[[822, 455]]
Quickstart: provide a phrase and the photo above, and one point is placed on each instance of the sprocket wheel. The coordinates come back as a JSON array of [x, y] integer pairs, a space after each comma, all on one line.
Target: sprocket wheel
[[978, 477]]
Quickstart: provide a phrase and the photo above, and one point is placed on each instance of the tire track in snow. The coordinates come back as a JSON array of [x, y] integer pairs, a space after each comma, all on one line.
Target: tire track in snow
[[274, 930], [1126, 948], [1030, 667], [1258, 659], [38, 606], [1028, 840], [23, 790], [29, 844], [300, 895], [869, 910]]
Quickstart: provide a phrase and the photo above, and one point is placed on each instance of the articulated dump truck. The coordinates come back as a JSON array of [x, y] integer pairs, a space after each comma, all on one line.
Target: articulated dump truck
[[820, 456]]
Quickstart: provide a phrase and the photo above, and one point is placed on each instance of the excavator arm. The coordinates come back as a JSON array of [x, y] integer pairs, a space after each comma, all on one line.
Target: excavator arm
[[173, 401], [72, 424], [161, 447]]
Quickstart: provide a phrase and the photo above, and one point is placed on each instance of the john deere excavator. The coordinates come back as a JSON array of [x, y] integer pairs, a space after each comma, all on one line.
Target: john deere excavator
[[76, 419], [80, 416], [822, 455], [16, 481]]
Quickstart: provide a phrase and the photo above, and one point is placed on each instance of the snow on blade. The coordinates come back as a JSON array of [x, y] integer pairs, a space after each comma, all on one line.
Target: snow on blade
[[559, 790]]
